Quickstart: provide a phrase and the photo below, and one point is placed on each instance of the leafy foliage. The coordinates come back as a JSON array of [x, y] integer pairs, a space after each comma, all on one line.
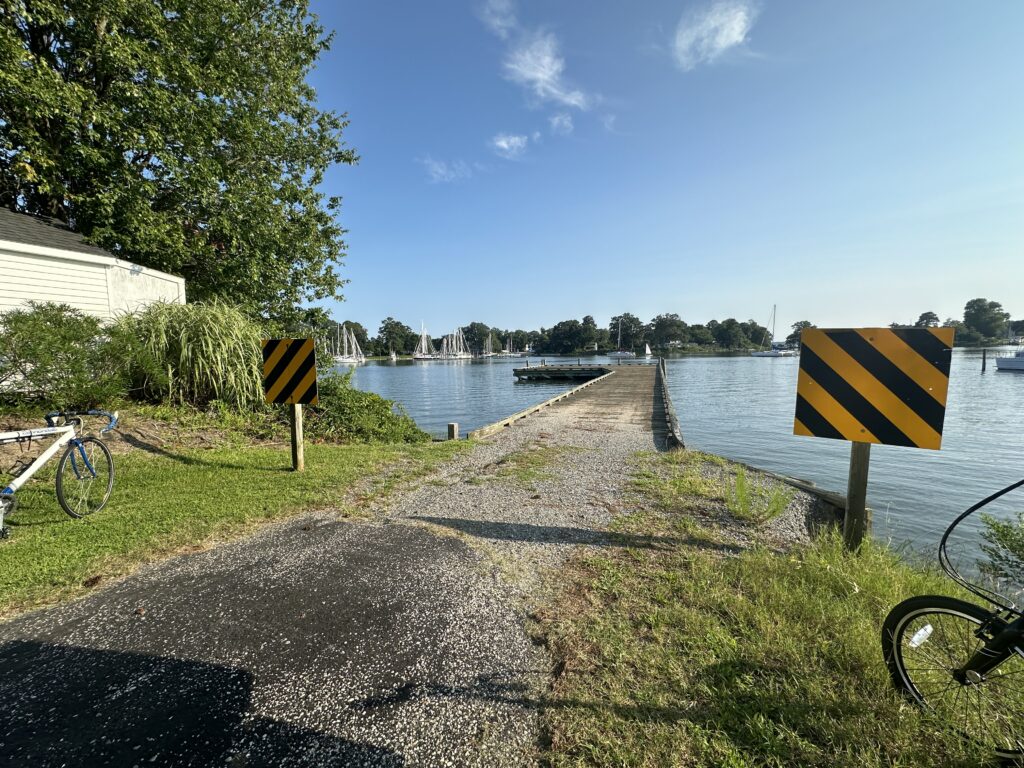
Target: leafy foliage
[[182, 136], [986, 317], [1004, 547], [54, 356], [195, 353], [346, 414]]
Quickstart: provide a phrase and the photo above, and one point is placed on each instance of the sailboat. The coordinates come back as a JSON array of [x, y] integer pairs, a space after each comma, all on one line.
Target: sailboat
[[454, 347], [488, 350], [346, 348], [620, 352], [393, 356], [424, 347], [776, 350], [647, 351]]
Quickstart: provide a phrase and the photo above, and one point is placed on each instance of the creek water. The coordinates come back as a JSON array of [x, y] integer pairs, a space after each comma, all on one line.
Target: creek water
[[742, 408]]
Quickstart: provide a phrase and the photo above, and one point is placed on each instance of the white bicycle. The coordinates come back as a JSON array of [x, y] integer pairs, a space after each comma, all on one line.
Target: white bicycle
[[85, 474]]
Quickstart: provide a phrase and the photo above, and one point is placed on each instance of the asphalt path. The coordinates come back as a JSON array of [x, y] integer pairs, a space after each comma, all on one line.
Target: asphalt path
[[314, 642]]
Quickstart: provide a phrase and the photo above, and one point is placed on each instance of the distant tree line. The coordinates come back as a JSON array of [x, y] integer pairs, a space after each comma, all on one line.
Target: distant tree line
[[984, 322]]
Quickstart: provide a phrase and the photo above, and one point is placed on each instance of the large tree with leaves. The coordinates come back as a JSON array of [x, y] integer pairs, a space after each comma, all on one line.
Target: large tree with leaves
[[181, 135]]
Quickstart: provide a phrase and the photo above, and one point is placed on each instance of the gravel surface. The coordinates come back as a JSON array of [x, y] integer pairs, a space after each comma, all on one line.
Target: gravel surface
[[325, 642]]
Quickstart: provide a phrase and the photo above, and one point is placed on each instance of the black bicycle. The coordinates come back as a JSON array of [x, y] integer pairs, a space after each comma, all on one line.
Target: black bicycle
[[963, 662]]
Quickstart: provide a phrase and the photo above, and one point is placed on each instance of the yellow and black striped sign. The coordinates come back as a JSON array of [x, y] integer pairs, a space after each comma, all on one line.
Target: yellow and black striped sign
[[874, 385], [289, 371]]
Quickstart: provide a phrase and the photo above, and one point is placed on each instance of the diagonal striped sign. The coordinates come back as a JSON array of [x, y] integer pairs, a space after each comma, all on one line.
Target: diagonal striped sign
[[874, 385], [289, 371]]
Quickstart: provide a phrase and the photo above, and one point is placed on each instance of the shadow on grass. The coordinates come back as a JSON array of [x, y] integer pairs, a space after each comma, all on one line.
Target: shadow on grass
[[68, 705], [193, 461]]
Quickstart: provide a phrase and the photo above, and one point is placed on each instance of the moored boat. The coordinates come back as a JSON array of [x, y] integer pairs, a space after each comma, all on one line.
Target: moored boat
[[1014, 362]]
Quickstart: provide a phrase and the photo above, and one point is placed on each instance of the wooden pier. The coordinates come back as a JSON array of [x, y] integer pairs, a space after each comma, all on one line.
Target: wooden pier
[[631, 394]]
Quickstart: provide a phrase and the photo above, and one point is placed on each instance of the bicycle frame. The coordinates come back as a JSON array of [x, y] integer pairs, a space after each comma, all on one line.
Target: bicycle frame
[[65, 434]]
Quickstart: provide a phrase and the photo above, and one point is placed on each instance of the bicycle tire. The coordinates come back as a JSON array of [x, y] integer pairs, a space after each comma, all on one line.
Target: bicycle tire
[[924, 639], [79, 495]]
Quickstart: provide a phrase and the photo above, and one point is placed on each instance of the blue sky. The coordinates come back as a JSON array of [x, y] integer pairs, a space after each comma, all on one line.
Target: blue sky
[[529, 162]]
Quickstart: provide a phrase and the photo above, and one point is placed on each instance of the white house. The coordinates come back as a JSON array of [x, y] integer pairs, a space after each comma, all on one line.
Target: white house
[[43, 260]]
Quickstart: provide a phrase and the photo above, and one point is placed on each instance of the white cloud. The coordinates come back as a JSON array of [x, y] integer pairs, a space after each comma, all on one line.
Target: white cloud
[[608, 121], [508, 145], [536, 64], [499, 16], [442, 172], [705, 34], [561, 124]]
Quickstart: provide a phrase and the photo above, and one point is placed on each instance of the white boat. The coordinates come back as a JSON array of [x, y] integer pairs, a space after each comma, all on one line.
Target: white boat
[[454, 347], [776, 349], [1014, 362], [393, 356], [346, 349], [488, 350], [621, 353], [647, 351], [424, 347]]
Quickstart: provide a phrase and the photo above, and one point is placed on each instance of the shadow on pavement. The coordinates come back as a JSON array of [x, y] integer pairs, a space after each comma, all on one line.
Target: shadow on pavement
[[72, 706], [551, 534], [492, 688]]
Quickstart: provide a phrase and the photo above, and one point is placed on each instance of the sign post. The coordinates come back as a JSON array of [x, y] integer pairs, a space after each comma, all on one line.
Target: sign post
[[872, 385], [289, 376]]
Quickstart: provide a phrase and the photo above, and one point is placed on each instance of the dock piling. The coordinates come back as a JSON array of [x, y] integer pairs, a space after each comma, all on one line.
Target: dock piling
[[453, 431]]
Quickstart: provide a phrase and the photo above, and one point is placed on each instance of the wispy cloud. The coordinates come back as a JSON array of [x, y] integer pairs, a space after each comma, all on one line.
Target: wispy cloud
[[499, 16], [608, 121], [706, 33], [509, 145], [534, 62], [444, 172], [561, 124]]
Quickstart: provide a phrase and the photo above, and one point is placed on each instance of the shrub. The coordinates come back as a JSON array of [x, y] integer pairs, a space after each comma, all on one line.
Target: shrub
[[346, 414], [55, 356], [194, 353]]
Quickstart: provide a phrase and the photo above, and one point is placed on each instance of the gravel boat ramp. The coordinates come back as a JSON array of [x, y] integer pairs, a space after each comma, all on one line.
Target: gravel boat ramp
[[322, 642]]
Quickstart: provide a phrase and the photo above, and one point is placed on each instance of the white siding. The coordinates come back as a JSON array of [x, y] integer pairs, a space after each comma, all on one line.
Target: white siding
[[39, 278], [97, 285]]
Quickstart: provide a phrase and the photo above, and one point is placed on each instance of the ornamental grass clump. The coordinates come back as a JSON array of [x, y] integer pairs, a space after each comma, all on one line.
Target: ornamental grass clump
[[195, 354]]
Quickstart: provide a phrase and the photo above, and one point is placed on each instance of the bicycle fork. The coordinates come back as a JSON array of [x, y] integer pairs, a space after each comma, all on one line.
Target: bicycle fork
[[1001, 638]]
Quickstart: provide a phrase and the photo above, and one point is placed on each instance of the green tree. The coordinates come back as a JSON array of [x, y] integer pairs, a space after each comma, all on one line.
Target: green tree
[[986, 317], [793, 340], [566, 337], [396, 336], [666, 328], [701, 335], [927, 320], [182, 136], [757, 334], [729, 335], [633, 330], [476, 336]]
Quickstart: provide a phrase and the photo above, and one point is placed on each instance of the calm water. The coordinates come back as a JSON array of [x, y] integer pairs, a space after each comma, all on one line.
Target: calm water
[[742, 407]]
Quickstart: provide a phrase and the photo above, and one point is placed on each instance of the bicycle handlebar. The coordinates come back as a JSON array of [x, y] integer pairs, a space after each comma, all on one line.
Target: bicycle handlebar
[[111, 417]]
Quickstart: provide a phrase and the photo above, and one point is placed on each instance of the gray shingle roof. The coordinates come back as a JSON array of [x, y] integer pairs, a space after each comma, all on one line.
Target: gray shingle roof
[[37, 230]]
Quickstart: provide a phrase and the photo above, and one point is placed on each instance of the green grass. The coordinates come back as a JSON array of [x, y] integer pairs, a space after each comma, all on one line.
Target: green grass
[[532, 463], [695, 654], [756, 500], [165, 503]]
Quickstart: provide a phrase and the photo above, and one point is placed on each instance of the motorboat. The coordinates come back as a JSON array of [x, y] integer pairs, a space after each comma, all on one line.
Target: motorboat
[[1014, 362]]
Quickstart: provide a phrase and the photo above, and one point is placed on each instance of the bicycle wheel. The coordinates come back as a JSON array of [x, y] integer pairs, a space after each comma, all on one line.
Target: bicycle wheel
[[925, 639], [85, 477]]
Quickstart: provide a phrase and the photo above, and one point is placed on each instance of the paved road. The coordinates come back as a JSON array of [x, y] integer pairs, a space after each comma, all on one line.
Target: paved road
[[317, 642]]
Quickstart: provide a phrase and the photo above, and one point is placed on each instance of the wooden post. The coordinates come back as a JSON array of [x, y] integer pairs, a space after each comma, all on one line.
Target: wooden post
[[857, 522], [298, 457], [984, 359], [453, 431]]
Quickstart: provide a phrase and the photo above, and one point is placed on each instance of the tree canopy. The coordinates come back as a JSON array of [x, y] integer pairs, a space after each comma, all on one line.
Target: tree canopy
[[986, 317], [182, 136]]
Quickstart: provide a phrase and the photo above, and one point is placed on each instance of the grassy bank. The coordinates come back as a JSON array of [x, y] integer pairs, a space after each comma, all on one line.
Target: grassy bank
[[167, 500], [704, 650]]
